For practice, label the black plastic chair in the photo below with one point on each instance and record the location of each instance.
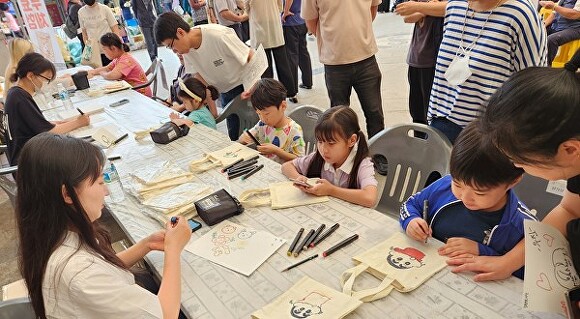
(153, 73)
(532, 191)
(243, 110)
(20, 308)
(307, 116)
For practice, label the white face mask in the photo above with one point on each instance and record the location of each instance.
(38, 89)
(458, 71)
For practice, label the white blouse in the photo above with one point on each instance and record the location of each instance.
(80, 284)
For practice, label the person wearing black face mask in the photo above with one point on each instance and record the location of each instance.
(96, 20)
(25, 120)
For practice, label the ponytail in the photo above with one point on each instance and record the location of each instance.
(112, 40)
(32, 62)
(214, 93)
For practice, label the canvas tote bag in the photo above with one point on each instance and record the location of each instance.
(279, 195)
(222, 158)
(401, 262)
(309, 298)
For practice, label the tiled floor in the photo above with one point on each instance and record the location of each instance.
(393, 38)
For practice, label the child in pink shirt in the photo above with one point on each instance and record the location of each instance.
(123, 65)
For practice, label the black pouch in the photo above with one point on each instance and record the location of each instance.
(573, 230)
(218, 207)
(169, 132)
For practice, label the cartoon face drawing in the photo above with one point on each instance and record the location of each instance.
(245, 234)
(228, 229)
(221, 250)
(221, 239)
(302, 309)
(564, 269)
(405, 258)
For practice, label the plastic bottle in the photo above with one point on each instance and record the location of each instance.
(113, 182)
(64, 96)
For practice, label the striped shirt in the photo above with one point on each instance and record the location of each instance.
(512, 39)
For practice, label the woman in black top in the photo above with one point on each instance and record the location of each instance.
(73, 13)
(25, 120)
(534, 118)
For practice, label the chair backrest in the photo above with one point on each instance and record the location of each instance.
(411, 162)
(20, 308)
(8, 184)
(153, 73)
(243, 110)
(307, 116)
(536, 194)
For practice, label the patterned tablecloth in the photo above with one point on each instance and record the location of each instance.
(212, 291)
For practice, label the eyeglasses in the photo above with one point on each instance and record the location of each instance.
(170, 47)
(44, 77)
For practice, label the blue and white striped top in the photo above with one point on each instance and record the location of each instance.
(513, 39)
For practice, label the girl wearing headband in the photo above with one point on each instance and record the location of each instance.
(194, 94)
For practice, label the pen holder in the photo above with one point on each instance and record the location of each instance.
(81, 80)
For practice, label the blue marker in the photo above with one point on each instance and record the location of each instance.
(174, 220)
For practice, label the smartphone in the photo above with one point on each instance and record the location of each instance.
(572, 299)
(193, 224)
(119, 103)
(301, 183)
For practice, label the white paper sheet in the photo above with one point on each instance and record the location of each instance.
(74, 113)
(239, 248)
(253, 71)
(549, 268)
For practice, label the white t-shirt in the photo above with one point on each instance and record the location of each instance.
(79, 284)
(219, 59)
(265, 23)
(222, 5)
(96, 20)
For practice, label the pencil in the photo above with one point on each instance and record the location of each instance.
(316, 234)
(426, 216)
(338, 246)
(252, 172)
(323, 236)
(300, 262)
(295, 241)
(298, 248)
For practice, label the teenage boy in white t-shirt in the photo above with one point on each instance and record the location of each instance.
(212, 53)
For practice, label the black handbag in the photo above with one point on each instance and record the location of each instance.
(169, 132)
(217, 207)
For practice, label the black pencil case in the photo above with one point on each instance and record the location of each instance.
(217, 207)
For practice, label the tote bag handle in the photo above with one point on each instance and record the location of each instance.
(368, 295)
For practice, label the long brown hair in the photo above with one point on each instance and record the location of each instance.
(48, 163)
(339, 122)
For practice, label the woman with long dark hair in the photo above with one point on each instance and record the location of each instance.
(66, 258)
(534, 118)
(25, 119)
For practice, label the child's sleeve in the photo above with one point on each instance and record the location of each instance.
(485, 250)
(366, 174)
(297, 144)
(412, 208)
(301, 163)
(258, 131)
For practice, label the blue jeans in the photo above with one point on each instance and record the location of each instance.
(232, 121)
(365, 77)
(448, 128)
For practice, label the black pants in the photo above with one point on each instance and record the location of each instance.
(232, 121)
(150, 42)
(558, 38)
(420, 83)
(245, 28)
(298, 56)
(282, 69)
(365, 77)
(80, 37)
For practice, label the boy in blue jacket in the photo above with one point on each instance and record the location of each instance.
(474, 211)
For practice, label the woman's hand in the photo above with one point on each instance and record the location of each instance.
(177, 235)
(457, 246)
(83, 120)
(156, 241)
(321, 188)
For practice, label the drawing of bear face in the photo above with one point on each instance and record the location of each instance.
(302, 309)
(245, 234)
(405, 258)
(228, 229)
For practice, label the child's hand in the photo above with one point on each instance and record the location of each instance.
(321, 188)
(418, 229)
(456, 246)
(174, 116)
(268, 149)
(245, 139)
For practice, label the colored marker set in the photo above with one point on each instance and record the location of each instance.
(243, 168)
(312, 239)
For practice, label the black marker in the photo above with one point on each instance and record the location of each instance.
(338, 246)
(252, 172)
(120, 139)
(313, 238)
(426, 216)
(300, 262)
(241, 172)
(298, 248)
(82, 113)
(295, 241)
(232, 164)
(241, 166)
(112, 158)
(323, 236)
